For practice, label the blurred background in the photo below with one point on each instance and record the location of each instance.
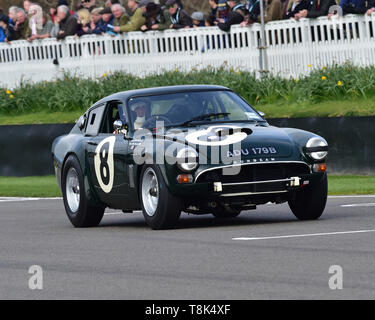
(201, 5)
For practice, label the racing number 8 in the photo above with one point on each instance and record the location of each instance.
(104, 168)
(103, 161)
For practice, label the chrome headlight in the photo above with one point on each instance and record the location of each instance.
(317, 148)
(187, 159)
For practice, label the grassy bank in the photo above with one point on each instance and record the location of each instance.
(360, 107)
(333, 91)
(47, 186)
(29, 187)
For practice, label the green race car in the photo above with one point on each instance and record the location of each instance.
(198, 149)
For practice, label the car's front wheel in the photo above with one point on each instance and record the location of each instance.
(80, 213)
(161, 209)
(310, 203)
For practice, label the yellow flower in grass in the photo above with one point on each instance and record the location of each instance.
(324, 68)
(324, 78)
(8, 92)
(339, 83)
(239, 73)
(104, 75)
(309, 65)
(11, 96)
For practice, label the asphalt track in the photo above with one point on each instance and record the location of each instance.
(276, 257)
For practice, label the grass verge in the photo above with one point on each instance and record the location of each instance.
(43, 187)
(47, 186)
(335, 90)
(361, 107)
(351, 185)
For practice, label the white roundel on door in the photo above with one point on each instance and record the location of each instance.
(217, 136)
(103, 161)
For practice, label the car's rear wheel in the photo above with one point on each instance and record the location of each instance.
(310, 203)
(80, 213)
(161, 209)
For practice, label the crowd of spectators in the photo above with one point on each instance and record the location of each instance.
(31, 22)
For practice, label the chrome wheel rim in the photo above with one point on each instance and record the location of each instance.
(72, 190)
(150, 192)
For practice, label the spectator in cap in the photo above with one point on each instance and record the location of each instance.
(157, 18)
(223, 10)
(102, 18)
(137, 20)
(153, 17)
(198, 19)
(96, 18)
(236, 15)
(179, 17)
(120, 16)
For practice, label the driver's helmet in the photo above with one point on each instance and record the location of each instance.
(140, 110)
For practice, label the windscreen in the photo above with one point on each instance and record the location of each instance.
(190, 108)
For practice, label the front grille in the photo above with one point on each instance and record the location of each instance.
(256, 172)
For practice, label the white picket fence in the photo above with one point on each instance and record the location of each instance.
(294, 48)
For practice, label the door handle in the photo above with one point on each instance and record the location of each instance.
(92, 143)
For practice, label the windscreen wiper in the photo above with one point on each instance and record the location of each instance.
(202, 117)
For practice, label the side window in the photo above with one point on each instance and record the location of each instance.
(112, 114)
(94, 120)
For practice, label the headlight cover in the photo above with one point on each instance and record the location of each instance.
(187, 159)
(317, 148)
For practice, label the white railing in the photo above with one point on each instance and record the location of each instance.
(292, 48)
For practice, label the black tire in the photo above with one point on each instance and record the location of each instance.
(226, 213)
(81, 215)
(310, 203)
(167, 210)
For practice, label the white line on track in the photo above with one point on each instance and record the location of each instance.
(303, 235)
(116, 213)
(348, 197)
(17, 199)
(358, 205)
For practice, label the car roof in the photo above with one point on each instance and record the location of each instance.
(125, 95)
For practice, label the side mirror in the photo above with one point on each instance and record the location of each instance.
(81, 122)
(118, 125)
(262, 114)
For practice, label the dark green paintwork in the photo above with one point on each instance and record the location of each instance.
(289, 142)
